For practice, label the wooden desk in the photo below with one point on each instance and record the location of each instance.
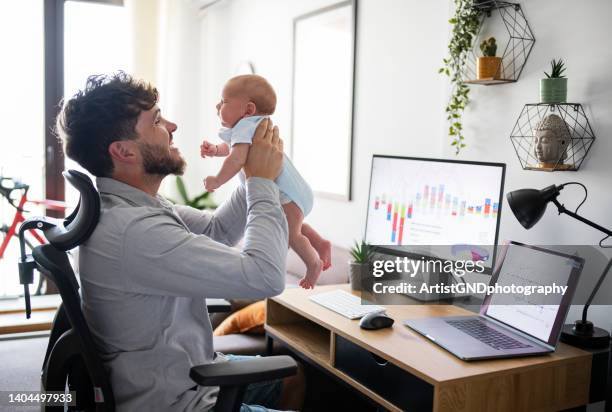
(437, 380)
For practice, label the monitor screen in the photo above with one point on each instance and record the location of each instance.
(539, 316)
(416, 203)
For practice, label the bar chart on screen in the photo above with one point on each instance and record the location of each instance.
(432, 203)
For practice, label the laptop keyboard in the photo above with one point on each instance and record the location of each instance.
(479, 330)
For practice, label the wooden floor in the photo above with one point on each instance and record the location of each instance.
(13, 319)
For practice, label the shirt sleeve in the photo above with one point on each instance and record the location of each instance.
(226, 225)
(163, 257)
(244, 130)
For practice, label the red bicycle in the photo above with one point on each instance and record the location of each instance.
(8, 185)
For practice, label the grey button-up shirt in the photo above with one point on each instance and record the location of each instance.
(146, 270)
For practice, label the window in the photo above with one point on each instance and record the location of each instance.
(22, 112)
(97, 40)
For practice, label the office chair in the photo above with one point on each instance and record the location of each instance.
(71, 357)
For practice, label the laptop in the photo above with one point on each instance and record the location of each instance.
(511, 325)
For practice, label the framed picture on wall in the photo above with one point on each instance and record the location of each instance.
(323, 89)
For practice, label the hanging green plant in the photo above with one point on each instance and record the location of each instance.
(465, 22)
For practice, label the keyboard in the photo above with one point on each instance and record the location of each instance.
(478, 329)
(345, 304)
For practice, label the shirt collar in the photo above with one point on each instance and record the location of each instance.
(107, 185)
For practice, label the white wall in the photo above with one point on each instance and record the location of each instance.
(400, 98)
(261, 31)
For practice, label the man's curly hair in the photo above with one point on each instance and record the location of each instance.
(104, 112)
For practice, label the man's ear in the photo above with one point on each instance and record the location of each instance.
(251, 109)
(123, 151)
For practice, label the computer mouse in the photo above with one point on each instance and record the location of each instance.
(376, 320)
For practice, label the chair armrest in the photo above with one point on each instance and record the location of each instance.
(243, 372)
(218, 305)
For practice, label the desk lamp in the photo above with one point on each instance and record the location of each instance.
(528, 206)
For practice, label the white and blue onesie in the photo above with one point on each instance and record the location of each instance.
(292, 186)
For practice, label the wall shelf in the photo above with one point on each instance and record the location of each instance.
(578, 126)
(520, 41)
(489, 81)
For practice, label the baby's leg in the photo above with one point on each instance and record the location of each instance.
(302, 246)
(322, 246)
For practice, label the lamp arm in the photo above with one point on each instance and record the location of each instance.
(562, 209)
(594, 292)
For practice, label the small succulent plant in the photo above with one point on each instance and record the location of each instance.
(557, 69)
(488, 47)
(362, 253)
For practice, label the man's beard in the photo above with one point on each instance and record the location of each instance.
(157, 160)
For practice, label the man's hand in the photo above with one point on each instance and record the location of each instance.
(208, 149)
(265, 158)
(210, 184)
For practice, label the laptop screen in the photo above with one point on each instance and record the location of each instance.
(538, 315)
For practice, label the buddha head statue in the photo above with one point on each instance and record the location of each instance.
(551, 137)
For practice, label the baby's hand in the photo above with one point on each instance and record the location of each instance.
(210, 183)
(208, 149)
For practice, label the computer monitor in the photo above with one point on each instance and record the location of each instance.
(416, 203)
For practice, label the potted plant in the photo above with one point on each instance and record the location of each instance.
(201, 201)
(553, 89)
(360, 266)
(488, 65)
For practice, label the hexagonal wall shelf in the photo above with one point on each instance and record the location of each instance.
(575, 125)
(517, 48)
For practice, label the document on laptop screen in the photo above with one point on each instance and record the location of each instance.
(535, 313)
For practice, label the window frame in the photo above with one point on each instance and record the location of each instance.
(54, 92)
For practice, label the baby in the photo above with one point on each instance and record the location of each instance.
(245, 101)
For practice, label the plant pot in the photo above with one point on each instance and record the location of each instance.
(553, 90)
(489, 68)
(358, 272)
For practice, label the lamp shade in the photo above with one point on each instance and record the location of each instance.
(528, 205)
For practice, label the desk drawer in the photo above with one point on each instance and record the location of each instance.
(399, 387)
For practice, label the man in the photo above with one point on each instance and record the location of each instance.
(149, 264)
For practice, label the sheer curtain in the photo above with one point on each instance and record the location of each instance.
(97, 40)
(167, 52)
(144, 21)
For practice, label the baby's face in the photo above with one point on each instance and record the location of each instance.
(232, 107)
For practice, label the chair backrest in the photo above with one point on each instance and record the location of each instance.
(77, 227)
(71, 353)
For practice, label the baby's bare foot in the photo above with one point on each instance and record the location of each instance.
(323, 248)
(304, 284)
(312, 275)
